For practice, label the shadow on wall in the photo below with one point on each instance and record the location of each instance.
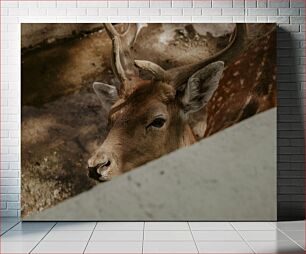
(290, 135)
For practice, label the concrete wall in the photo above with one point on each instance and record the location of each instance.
(223, 179)
(289, 14)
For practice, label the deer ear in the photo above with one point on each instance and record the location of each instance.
(107, 94)
(201, 86)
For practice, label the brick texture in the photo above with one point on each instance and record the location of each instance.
(289, 14)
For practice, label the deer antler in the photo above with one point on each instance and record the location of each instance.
(179, 75)
(158, 72)
(124, 68)
(122, 61)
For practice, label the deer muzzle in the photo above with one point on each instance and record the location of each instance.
(100, 167)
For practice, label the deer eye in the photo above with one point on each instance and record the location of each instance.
(157, 122)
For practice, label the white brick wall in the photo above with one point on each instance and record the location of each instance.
(288, 13)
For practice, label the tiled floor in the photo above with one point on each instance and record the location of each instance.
(152, 237)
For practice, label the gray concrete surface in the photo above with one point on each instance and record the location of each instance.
(228, 176)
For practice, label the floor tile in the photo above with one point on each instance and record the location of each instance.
(216, 236)
(17, 247)
(276, 247)
(253, 226)
(22, 236)
(114, 247)
(211, 226)
(119, 226)
(223, 247)
(69, 236)
(301, 243)
(296, 235)
(168, 236)
(272, 235)
(7, 225)
(169, 247)
(60, 247)
(2, 231)
(166, 226)
(33, 226)
(63, 226)
(291, 225)
(273, 224)
(9, 220)
(106, 236)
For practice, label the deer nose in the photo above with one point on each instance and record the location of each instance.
(99, 167)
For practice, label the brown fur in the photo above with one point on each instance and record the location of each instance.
(248, 86)
(129, 143)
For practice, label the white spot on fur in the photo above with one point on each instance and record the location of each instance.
(237, 62)
(248, 99)
(258, 75)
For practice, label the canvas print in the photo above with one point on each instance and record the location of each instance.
(100, 100)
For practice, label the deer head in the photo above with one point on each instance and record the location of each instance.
(150, 118)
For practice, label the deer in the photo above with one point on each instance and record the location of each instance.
(175, 108)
